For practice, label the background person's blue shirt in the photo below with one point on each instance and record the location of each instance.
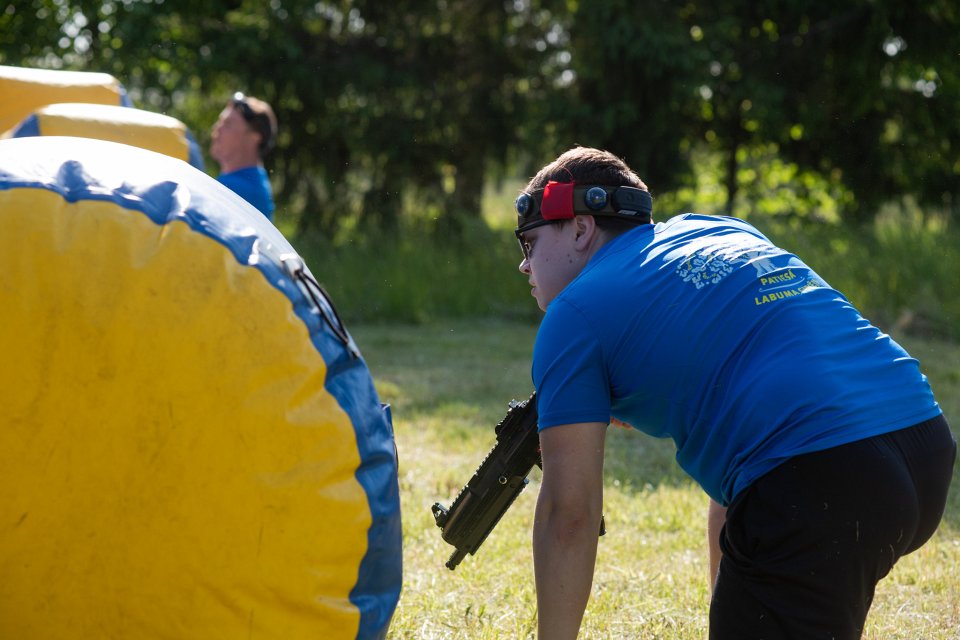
(701, 330)
(253, 185)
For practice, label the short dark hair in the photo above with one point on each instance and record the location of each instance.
(259, 115)
(583, 165)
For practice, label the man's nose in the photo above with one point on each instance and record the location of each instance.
(524, 265)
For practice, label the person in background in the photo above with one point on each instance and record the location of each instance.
(816, 436)
(243, 134)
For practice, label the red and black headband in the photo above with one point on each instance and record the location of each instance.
(564, 200)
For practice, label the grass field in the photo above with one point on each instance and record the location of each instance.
(449, 384)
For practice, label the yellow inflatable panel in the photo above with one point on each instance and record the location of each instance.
(192, 445)
(144, 129)
(25, 90)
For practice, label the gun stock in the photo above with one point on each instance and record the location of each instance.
(495, 485)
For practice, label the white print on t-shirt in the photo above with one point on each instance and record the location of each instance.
(708, 260)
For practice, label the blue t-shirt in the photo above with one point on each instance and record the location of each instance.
(253, 185)
(701, 330)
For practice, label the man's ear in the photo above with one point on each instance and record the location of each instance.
(586, 229)
(259, 137)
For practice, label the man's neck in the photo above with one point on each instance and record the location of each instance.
(239, 159)
(229, 167)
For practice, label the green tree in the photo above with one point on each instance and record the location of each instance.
(863, 92)
(408, 107)
(622, 77)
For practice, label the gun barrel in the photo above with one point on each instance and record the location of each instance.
(455, 559)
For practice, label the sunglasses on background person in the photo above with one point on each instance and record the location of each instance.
(258, 121)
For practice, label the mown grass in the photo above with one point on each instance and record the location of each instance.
(449, 382)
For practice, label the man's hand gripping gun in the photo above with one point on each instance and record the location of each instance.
(495, 485)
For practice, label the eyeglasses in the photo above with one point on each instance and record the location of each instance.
(239, 101)
(526, 248)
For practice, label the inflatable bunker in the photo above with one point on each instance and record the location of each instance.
(25, 90)
(144, 129)
(191, 443)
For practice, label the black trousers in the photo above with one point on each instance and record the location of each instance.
(805, 545)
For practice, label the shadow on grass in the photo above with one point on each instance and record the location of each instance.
(637, 461)
(478, 365)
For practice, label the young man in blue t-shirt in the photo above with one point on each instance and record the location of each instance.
(816, 436)
(243, 134)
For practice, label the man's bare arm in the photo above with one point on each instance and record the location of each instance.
(716, 516)
(569, 509)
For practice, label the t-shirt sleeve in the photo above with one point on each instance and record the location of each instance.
(569, 370)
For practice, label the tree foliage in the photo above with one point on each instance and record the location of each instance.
(863, 91)
(410, 107)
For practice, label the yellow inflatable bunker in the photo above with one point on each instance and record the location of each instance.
(144, 129)
(24, 90)
(191, 443)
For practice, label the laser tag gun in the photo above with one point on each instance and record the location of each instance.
(496, 483)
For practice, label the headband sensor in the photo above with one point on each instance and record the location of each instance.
(564, 200)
